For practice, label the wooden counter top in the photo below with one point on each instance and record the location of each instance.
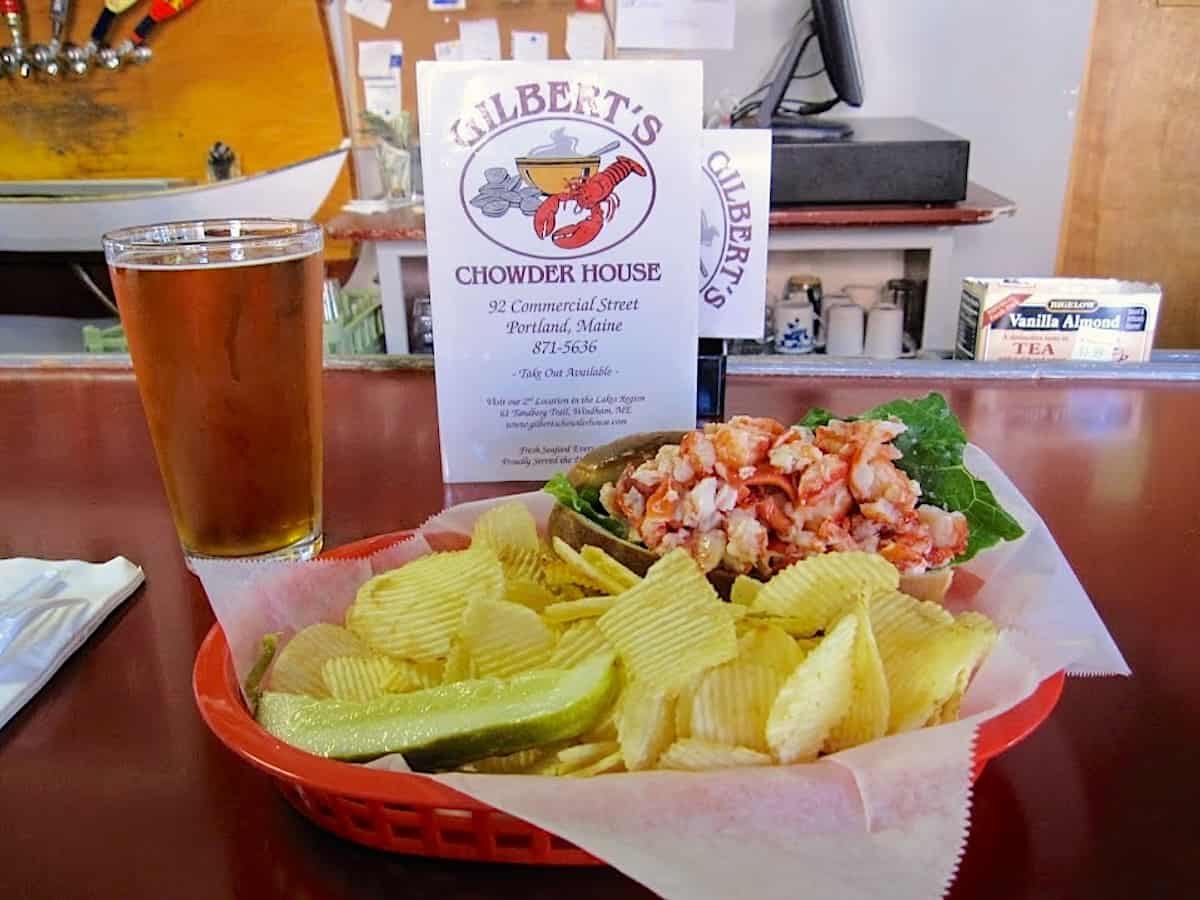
(980, 207)
(112, 787)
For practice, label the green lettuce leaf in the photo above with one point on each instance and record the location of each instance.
(933, 455)
(586, 502)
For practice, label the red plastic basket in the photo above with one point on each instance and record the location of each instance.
(405, 813)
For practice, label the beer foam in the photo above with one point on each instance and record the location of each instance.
(200, 259)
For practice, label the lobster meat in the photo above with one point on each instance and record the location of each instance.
(595, 194)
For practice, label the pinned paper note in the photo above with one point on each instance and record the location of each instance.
(444, 51)
(587, 34)
(375, 12)
(675, 24)
(530, 46)
(479, 39)
(378, 59)
(381, 96)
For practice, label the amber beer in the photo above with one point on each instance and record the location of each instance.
(224, 325)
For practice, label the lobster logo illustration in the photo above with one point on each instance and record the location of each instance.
(583, 186)
(596, 194)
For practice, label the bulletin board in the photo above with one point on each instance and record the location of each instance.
(258, 76)
(412, 23)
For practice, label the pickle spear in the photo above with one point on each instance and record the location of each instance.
(452, 724)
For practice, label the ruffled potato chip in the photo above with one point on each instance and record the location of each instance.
(588, 574)
(505, 638)
(671, 625)
(583, 608)
(578, 641)
(358, 677)
(611, 763)
(458, 665)
(579, 756)
(416, 676)
(818, 590)
(927, 655)
(870, 702)
(815, 698)
(297, 669)
(413, 612)
(508, 530)
(518, 763)
(618, 575)
(646, 724)
(769, 645)
(744, 590)
(692, 755)
(732, 704)
(683, 705)
(528, 592)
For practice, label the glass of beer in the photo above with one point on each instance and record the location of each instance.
(224, 324)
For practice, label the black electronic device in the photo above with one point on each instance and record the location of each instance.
(828, 21)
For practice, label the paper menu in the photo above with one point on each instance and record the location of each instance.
(530, 46)
(559, 326)
(735, 198)
(479, 39)
(675, 24)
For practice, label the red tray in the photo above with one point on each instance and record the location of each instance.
(405, 813)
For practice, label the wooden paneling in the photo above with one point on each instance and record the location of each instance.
(1133, 202)
(255, 75)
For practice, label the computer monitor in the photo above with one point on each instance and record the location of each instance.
(833, 30)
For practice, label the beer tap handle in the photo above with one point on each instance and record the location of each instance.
(13, 13)
(160, 11)
(59, 10)
(108, 15)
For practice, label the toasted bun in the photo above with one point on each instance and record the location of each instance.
(928, 585)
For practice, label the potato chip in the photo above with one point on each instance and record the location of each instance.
(818, 590)
(744, 590)
(586, 573)
(683, 705)
(508, 530)
(414, 611)
(797, 626)
(671, 625)
(358, 677)
(948, 711)
(646, 724)
(580, 756)
(514, 763)
(297, 669)
(692, 755)
(815, 697)
(577, 642)
(732, 704)
(416, 676)
(769, 645)
(870, 702)
(611, 763)
(528, 592)
(458, 666)
(927, 654)
(505, 638)
(583, 608)
(615, 571)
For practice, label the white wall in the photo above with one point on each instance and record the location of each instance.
(1005, 74)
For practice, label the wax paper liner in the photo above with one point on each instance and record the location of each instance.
(887, 819)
